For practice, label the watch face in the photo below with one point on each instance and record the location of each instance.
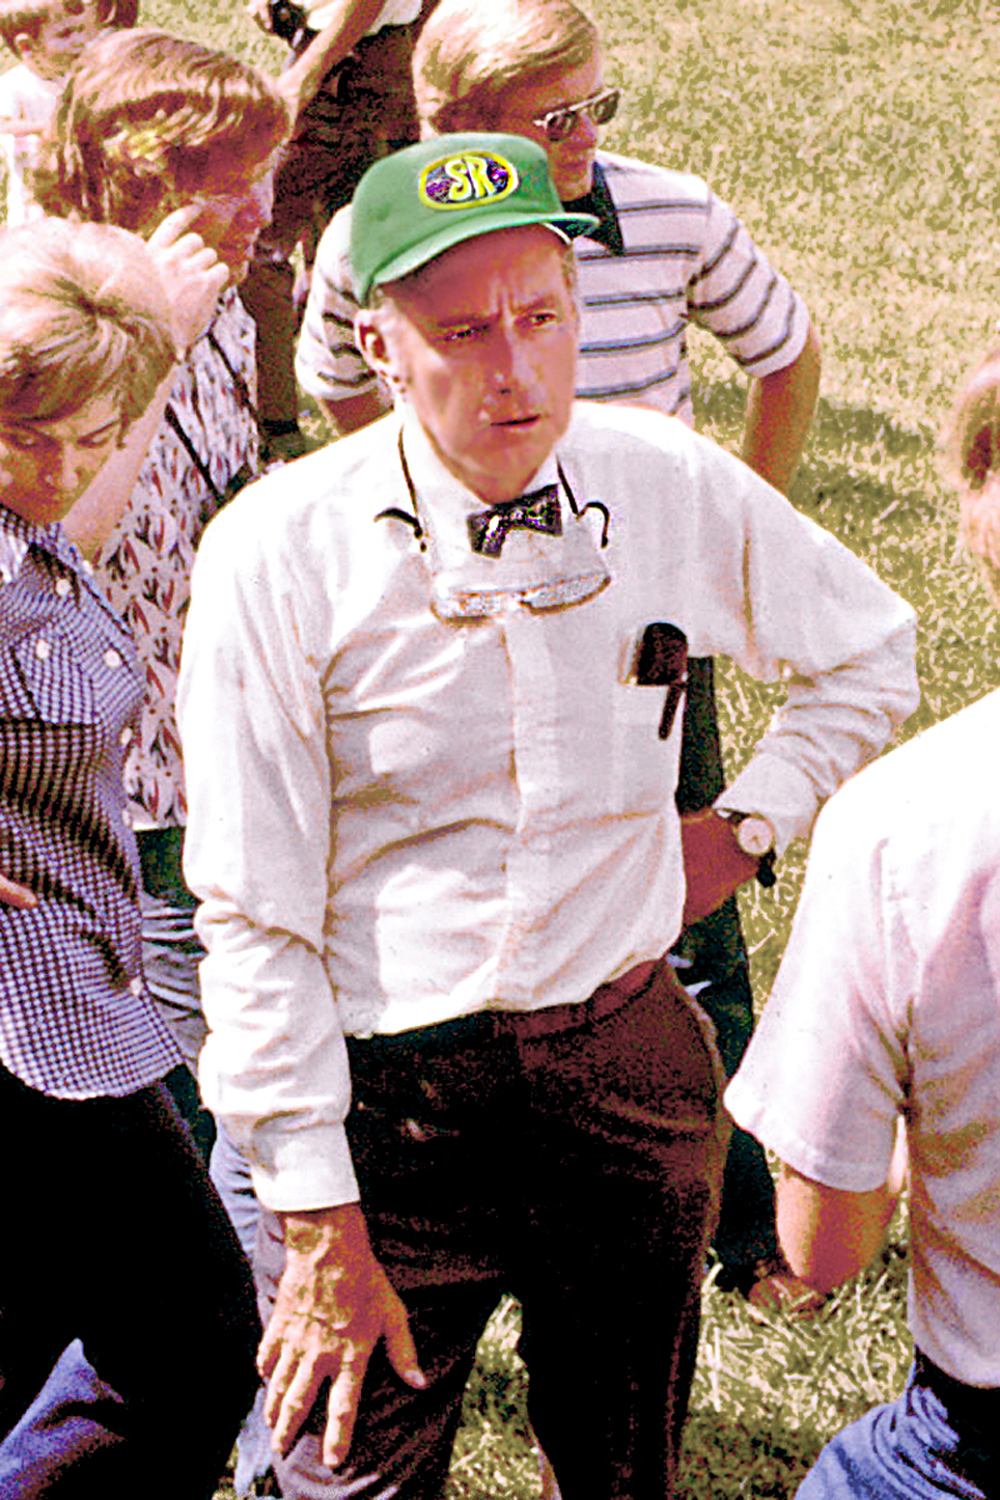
(755, 836)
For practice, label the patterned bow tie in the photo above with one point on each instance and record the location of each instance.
(537, 511)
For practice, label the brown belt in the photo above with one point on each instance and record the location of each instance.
(605, 1000)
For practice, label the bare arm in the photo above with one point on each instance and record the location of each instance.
(828, 1234)
(334, 1303)
(19, 896)
(780, 409)
(193, 277)
(298, 84)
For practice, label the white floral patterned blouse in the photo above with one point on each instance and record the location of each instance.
(145, 567)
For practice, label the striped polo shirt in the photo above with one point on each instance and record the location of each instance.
(681, 256)
(668, 253)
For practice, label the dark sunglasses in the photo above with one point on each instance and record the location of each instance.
(558, 124)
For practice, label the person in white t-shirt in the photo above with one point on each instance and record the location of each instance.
(880, 1048)
(47, 37)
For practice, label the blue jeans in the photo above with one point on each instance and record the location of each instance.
(938, 1439)
(231, 1175)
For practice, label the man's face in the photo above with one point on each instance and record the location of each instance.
(571, 160)
(482, 342)
(64, 34)
(46, 466)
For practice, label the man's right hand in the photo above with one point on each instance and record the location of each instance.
(192, 274)
(334, 1303)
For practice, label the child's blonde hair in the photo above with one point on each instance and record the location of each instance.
(82, 314)
(469, 54)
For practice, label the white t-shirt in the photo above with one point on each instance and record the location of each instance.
(23, 97)
(888, 1003)
(396, 13)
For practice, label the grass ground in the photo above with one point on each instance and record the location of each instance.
(857, 140)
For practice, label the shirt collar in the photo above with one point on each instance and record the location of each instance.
(442, 498)
(600, 203)
(17, 535)
(466, 584)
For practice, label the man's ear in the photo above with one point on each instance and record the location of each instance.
(24, 46)
(370, 336)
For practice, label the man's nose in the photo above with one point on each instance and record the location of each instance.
(62, 468)
(584, 132)
(511, 364)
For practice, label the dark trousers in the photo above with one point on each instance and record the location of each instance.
(127, 1321)
(712, 962)
(363, 111)
(573, 1158)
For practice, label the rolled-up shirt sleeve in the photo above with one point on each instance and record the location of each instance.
(791, 604)
(256, 853)
(822, 1082)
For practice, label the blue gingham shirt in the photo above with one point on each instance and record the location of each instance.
(75, 1020)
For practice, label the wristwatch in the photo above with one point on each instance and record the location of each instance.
(755, 836)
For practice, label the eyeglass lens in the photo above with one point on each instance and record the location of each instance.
(562, 122)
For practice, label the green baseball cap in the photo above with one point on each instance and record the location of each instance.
(412, 206)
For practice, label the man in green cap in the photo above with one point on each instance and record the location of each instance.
(429, 708)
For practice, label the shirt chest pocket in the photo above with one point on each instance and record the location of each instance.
(45, 681)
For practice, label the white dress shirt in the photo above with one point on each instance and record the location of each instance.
(888, 1003)
(398, 818)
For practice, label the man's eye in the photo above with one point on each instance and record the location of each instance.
(99, 439)
(460, 335)
(24, 442)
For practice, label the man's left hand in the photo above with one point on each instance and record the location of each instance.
(714, 864)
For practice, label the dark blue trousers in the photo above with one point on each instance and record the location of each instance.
(128, 1327)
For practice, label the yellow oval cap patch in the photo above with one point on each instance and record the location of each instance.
(469, 180)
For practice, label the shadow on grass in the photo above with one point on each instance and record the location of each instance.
(854, 454)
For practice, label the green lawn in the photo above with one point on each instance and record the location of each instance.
(857, 140)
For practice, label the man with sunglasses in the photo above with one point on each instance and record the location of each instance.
(665, 253)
